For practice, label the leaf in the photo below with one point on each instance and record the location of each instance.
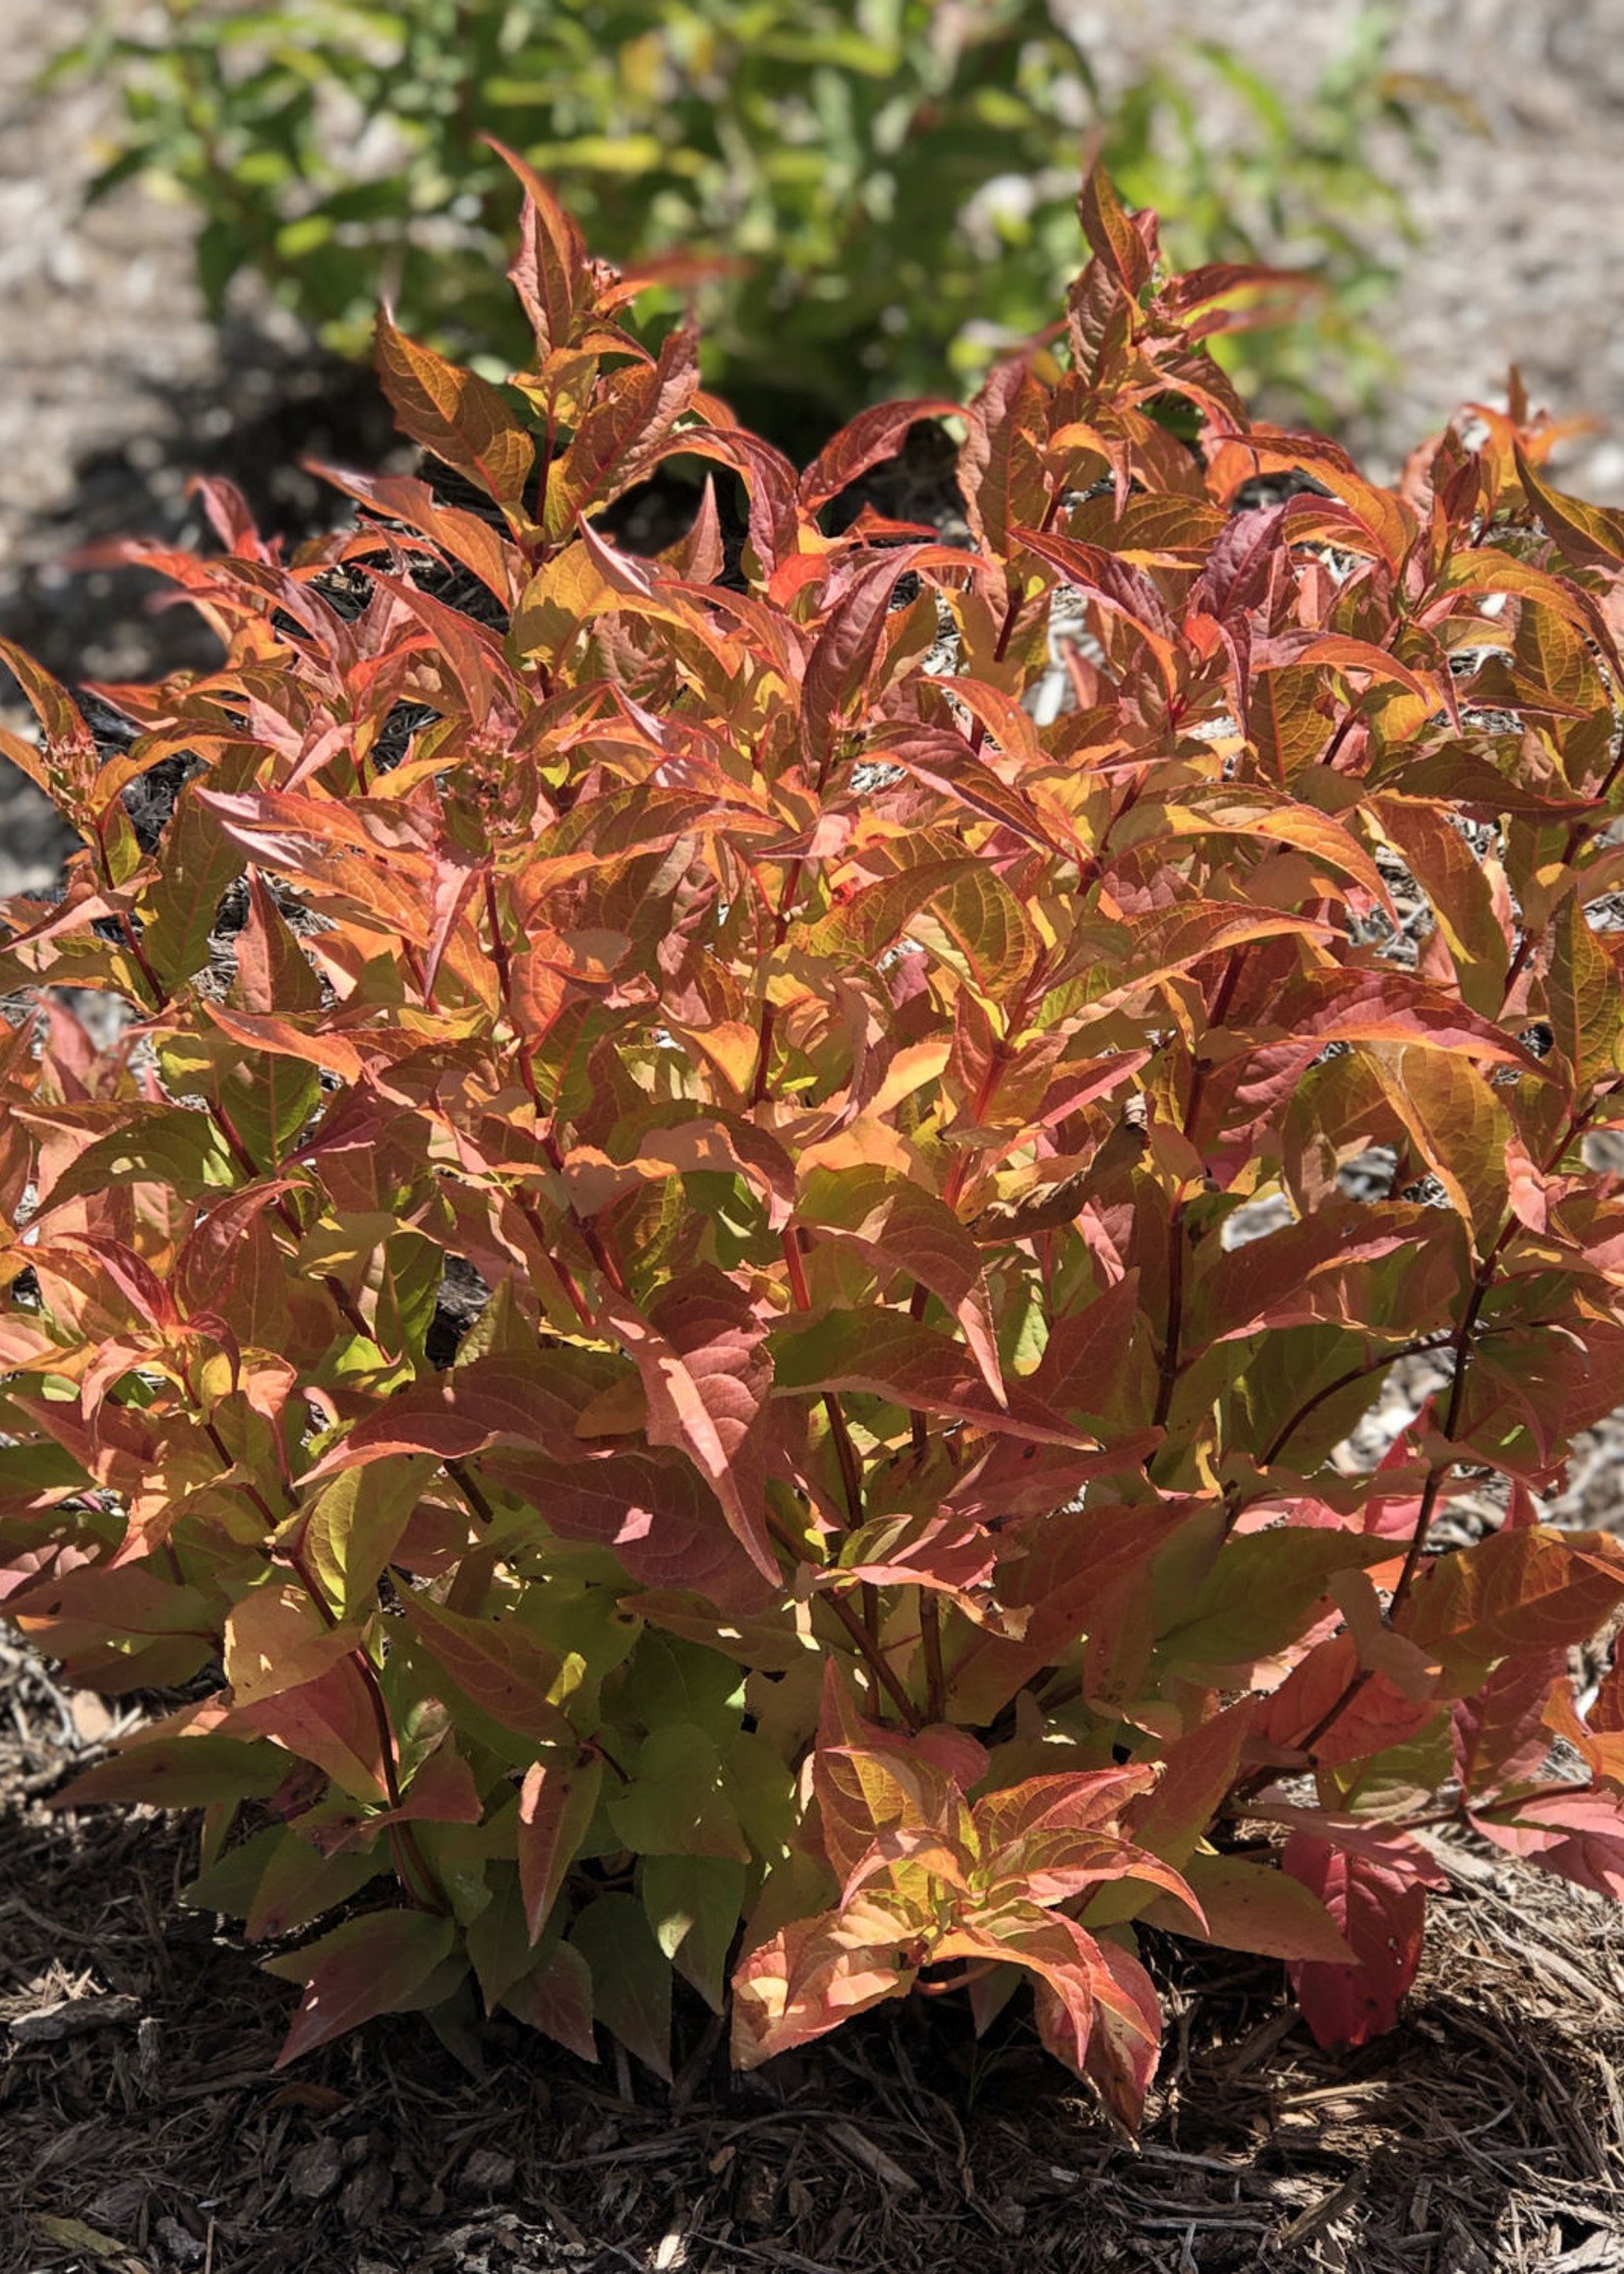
(550, 268)
(332, 1721)
(1499, 1733)
(556, 1999)
(1112, 236)
(77, 2236)
(961, 910)
(200, 865)
(298, 1884)
(166, 1145)
(623, 435)
(889, 1355)
(276, 1639)
(1259, 1595)
(382, 1963)
(67, 765)
(663, 1522)
(456, 415)
(693, 1905)
(844, 652)
(1584, 998)
(944, 762)
(1376, 1897)
(1447, 869)
(1585, 535)
(903, 1225)
(679, 1801)
(1126, 2040)
(1579, 1834)
(1193, 1784)
(557, 1803)
(481, 549)
(943, 1550)
(180, 1773)
(1254, 1907)
(1514, 1592)
(353, 1526)
(875, 434)
(1168, 939)
(1458, 1126)
(631, 1980)
(703, 1357)
(804, 1980)
(1112, 586)
(565, 593)
(497, 1666)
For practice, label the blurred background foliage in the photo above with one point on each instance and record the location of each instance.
(861, 198)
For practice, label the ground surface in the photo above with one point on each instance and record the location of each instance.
(1486, 2133)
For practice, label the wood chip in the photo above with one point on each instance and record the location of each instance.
(73, 2017)
(874, 2159)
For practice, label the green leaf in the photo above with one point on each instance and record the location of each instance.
(631, 1978)
(354, 1525)
(693, 1905)
(499, 1944)
(159, 1144)
(1258, 1595)
(199, 865)
(556, 1998)
(182, 1773)
(679, 1801)
(1252, 1908)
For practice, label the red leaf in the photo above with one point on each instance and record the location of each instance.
(702, 1355)
(384, 1962)
(663, 1522)
(1580, 1834)
(801, 1982)
(457, 415)
(1126, 2042)
(1499, 1732)
(1376, 1895)
(905, 1227)
(889, 1355)
(557, 1803)
(873, 435)
(550, 269)
(1112, 236)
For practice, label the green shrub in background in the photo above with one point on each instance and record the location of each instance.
(860, 194)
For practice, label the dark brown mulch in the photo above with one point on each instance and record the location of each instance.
(1486, 2132)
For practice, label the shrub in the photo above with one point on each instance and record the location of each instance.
(948, 1169)
(865, 190)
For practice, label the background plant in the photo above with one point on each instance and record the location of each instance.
(888, 1518)
(863, 195)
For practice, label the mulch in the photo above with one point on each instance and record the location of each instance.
(143, 2128)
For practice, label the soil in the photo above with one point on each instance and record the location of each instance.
(141, 2126)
